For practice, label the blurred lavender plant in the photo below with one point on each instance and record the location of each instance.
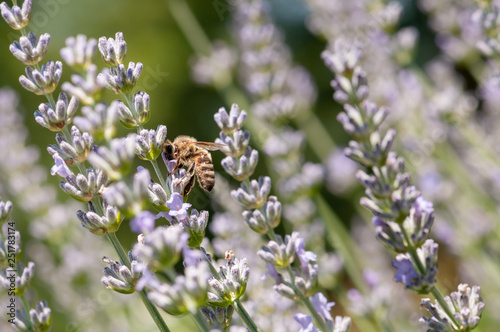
(402, 217)
(262, 214)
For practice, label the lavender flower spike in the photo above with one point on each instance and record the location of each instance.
(149, 143)
(230, 123)
(56, 119)
(113, 51)
(108, 223)
(119, 277)
(29, 50)
(254, 195)
(17, 18)
(5, 209)
(40, 317)
(99, 121)
(75, 151)
(43, 81)
(87, 89)
(79, 51)
(120, 79)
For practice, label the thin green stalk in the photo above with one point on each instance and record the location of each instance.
(118, 248)
(245, 317)
(160, 176)
(153, 312)
(201, 322)
(27, 310)
(442, 302)
(413, 252)
(320, 323)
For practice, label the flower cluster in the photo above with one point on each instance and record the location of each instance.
(402, 217)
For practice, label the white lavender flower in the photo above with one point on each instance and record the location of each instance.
(86, 88)
(149, 143)
(234, 277)
(113, 51)
(281, 253)
(236, 145)
(98, 121)
(40, 317)
(43, 81)
(79, 51)
(232, 122)
(466, 306)
(254, 195)
(141, 105)
(131, 200)
(157, 196)
(75, 151)
(218, 317)
(119, 277)
(109, 222)
(119, 79)
(56, 119)
(5, 209)
(420, 281)
(116, 160)
(241, 168)
(29, 50)
(162, 248)
(83, 187)
(186, 294)
(21, 277)
(10, 248)
(17, 18)
(195, 226)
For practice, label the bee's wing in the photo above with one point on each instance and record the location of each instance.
(209, 145)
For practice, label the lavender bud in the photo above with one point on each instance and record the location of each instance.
(84, 188)
(149, 143)
(380, 149)
(141, 104)
(242, 168)
(196, 226)
(79, 52)
(40, 317)
(43, 81)
(113, 51)
(29, 50)
(125, 115)
(56, 120)
(99, 121)
(119, 277)
(280, 253)
(466, 306)
(218, 317)
(236, 145)
(256, 221)
(99, 225)
(286, 291)
(5, 209)
(273, 211)
(407, 273)
(254, 196)
(17, 18)
(229, 124)
(23, 277)
(344, 58)
(119, 79)
(116, 160)
(362, 121)
(87, 89)
(389, 233)
(157, 196)
(186, 295)
(8, 249)
(75, 151)
(130, 200)
(161, 248)
(233, 284)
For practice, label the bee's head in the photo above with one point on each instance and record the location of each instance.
(170, 150)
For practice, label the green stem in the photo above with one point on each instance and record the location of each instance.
(153, 312)
(118, 248)
(201, 322)
(442, 302)
(412, 251)
(160, 176)
(320, 323)
(27, 310)
(245, 317)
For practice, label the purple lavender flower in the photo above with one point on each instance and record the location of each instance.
(322, 306)
(178, 209)
(306, 322)
(144, 222)
(60, 168)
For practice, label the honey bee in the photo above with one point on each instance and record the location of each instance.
(187, 151)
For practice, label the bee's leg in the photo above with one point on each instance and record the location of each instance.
(177, 166)
(188, 178)
(189, 186)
